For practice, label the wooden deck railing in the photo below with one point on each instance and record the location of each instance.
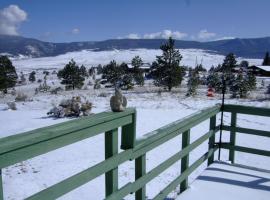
(17, 148)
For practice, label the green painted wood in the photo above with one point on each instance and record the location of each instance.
(163, 194)
(180, 125)
(128, 137)
(249, 110)
(232, 137)
(1, 186)
(38, 135)
(132, 187)
(247, 131)
(140, 170)
(81, 178)
(36, 149)
(246, 149)
(139, 150)
(111, 149)
(185, 159)
(211, 145)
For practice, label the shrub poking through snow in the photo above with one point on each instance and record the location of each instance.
(21, 97)
(12, 106)
(73, 107)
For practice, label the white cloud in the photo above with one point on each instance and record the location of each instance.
(165, 34)
(10, 19)
(205, 35)
(133, 36)
(75, 31)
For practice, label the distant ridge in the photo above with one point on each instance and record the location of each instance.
(17, 45)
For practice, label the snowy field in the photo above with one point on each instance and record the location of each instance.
(155, 109)
(92, 58)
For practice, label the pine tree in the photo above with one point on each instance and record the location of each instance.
(239, 86)
(113, 73)
(8, 75)
(165, 70)
(138, 73)
(32, 76)
(84, 72)
(251, 81)
(228, 64)
(266, 60)
(193, 82)
(71, 75)
(214, 81)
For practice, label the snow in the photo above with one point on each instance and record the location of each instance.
(154, 110)
(28, 177)
(265, 68)
(92, 58)
(224, 181)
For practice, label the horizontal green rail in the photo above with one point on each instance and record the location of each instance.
(27, 145)
(247, 131)
(246, 149)
(249, 110)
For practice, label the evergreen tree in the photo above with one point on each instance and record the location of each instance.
(266, 60)
(214, 81)
(228, 64)
(251, 81)
(84, 72)
(71, 75)
(32, 76)
(138, 73)
(113, 72)
(239, 86)
(166, 70)
(193, 82)
(8, 75)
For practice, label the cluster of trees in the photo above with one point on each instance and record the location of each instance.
(166, 72)
(223, 77)
(119, 75)
(72, 76)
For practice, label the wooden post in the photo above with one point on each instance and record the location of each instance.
(111, 148)
(1, 186)
(232, 137)
(185, 159)
(140, 170)
(211, 139)
(128, 136)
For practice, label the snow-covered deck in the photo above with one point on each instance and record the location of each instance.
(224, 181)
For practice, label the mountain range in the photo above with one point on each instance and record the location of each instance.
(17, 45)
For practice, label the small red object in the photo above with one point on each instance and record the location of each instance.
(210, 92)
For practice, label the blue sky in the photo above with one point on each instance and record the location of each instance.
(91, 20)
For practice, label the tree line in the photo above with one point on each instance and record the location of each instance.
(166, 71)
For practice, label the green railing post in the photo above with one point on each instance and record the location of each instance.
(140, 170)
(232, 137)
(111, 148)
(1, 186)
(128, 136)
(185, 159)
(212, 139)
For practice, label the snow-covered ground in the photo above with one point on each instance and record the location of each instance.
(92, 58)
(154, 109)
(222, 181)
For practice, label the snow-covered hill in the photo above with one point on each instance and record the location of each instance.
(92, 58)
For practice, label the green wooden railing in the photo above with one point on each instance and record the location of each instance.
(17, 148)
